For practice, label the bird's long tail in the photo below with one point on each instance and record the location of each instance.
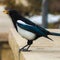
(49, 38)
(55, 34)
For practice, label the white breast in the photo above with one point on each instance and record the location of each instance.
(26, 34)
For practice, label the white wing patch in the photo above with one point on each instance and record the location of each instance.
(19, 21)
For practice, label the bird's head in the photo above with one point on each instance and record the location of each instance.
(10, 11)
(6, 11)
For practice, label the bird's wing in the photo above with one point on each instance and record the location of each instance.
(33, 24)
(31, 28)
(26, 21)
(44, 30)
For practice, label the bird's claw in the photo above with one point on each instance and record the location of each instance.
(24, 50)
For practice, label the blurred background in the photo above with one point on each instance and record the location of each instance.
(45, 13)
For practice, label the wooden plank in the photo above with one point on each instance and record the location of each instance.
(6, 53)
(15, 42)
(41, 49)
(40, 55)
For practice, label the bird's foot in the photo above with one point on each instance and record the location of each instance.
(25, 48)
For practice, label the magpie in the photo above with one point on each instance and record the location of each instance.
(28, 29)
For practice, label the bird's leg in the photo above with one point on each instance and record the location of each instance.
(23, 48)
(29, 44)
(26, 47)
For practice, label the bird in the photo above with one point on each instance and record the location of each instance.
(28, 29)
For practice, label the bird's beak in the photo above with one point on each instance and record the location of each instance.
(6, 11)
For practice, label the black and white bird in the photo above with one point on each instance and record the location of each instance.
(28, 29)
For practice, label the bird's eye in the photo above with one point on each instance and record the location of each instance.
(5, 11)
